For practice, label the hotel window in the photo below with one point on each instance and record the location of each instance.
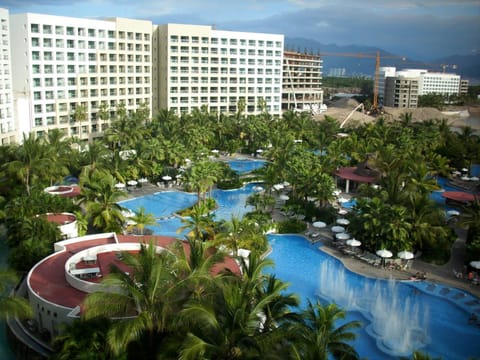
(35, 42)
(204, 40)
(91, 32)
(47, 29)
(49, 95)
(36, 69)
(34, 28)
(60, 82)
(70, 30)
(37, 109)
(47, 55)
(48, 69)
(38, 121)
(47, 42)
(37, 95)
(50, 107)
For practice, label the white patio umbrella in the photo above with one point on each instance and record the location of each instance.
(119, 185)
(215, 151)
(143, 180)
(319, 224)
(132, 182)
(167, 178)
(284, 197)
(342, 212)
(343, 221)
(259, 151)
(257, 188)
(353, 242)
(338, 229)
(343, 236)
(453, 213)
(474, 178)
(278, 186)
(406, 255)
(475, 264)
(383, 253)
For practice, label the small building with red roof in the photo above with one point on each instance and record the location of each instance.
(66, 222)
(58, 284)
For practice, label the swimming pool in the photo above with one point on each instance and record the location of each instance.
(398, 317)
(164, 204)
(244, 166)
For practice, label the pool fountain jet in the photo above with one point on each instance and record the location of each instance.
(397, 319)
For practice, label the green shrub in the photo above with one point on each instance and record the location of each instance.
(291, 226)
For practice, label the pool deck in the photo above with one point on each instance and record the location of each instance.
(443, 274)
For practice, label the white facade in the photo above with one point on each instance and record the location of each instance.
(440, 83)
(200, 66)
(8, 127)
(428, 82)
(59, 63)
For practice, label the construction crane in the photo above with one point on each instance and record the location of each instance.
(377, 58)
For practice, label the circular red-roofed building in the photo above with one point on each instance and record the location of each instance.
(63, 190)
(58, 284)
(66, 222)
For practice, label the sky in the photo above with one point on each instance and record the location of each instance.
(422, 29)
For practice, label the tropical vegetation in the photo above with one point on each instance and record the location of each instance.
(175, 306)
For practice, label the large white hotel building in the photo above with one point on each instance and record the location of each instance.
(61, 63)
(201, 66)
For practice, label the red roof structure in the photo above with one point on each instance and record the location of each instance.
(459, 196)
(349, 173)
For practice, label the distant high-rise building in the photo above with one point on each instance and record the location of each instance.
(200, 66)
(402, 88)
(302, 82)
(337, 72)
(60, 64)
(8, 125)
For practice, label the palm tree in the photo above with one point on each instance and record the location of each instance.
(101, 200)
(80, 114)
(84, 339)
(30, 161)
(141, 219)
(142, 300)
(11, 305)
(235, 322)
(199, 222)
(317, 336)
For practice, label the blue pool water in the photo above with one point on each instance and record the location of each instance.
(245, 166)
(397, 317)
(164, 204)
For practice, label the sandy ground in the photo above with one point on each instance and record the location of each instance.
(341, 109)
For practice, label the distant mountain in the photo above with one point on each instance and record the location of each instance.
(468, 66)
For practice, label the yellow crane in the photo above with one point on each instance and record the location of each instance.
(377, 58)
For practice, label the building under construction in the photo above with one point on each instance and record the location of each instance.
(302, 82)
